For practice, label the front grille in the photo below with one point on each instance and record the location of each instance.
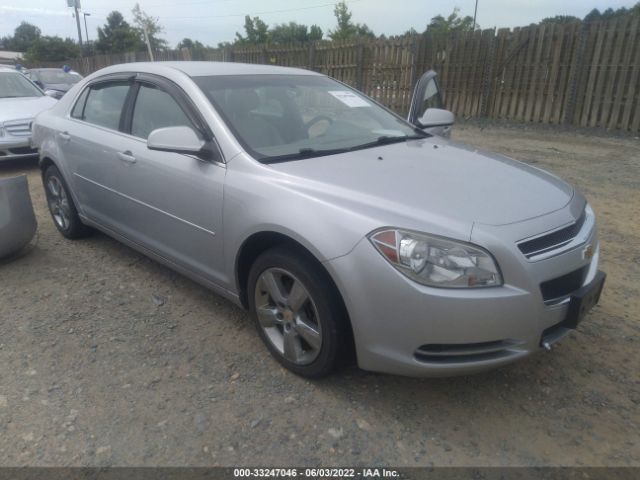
(465, 352)
(563, 286)
(553, 240)
(18, 128)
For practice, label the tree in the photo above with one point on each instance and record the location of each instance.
(152, 27)
(559, 20)
(294, 32)
(345, 27)
(23, 37)
(117, 36)
(196, 48)
(453, 23)
(595, 14)
(256, 32)
(51, 49)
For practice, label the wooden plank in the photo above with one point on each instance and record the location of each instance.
(594, 117)
(593, 73)
(533, 77)
(557, 39)
(629, 40)
(614, 69)
(632, 97)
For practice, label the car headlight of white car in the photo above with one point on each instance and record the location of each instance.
(436, 261)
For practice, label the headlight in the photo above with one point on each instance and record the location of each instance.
(437, 261)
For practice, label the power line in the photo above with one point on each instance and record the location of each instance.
(261, 13)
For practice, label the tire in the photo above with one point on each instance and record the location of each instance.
(61, 207)
(298, 312)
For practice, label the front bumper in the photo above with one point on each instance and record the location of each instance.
(16, 148)
(402, 327)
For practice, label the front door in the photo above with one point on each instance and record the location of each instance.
(173, 201)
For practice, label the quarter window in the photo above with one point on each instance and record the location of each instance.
(155, 109)
(104, 104)
(78, 108)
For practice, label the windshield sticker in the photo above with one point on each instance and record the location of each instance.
(350, 99)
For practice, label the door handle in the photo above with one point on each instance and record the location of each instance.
(126, 157)
(64, 136)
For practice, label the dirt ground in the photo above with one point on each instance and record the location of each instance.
(108, 358)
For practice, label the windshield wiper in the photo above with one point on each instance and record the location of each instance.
(304, 153)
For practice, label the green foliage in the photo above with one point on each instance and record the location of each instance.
(256, 32)
(345, 27)
(117, 36)
(51, 49)
(23, 37)
(595, 15)
(294, 32)
(559, 20)
(453, 23)
(152, 27)
(196, 48)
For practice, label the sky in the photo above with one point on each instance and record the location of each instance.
(213, 21)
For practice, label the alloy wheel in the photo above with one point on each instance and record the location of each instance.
(58, 202)
(288, 316)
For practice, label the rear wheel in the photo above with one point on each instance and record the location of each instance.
(61, 206)
(298, 313)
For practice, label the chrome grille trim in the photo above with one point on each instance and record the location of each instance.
(18, 128)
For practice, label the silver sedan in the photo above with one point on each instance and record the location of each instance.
(343, 228)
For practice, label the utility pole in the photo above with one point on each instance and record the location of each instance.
(475, 12)
(86, 30)
(146, 40)
(76, 6)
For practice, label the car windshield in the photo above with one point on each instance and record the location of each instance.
(288, 117)
(13, 85)
(57, 77)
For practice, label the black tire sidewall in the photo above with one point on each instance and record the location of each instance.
(331, 316)
(76, 228)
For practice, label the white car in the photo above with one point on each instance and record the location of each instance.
(20, 101)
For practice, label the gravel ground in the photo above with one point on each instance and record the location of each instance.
(108, 358)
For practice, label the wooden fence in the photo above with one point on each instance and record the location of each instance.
(580, 74)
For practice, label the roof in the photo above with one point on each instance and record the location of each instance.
(6, 68)
(197, 69)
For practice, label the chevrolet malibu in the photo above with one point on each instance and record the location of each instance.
(343, 228)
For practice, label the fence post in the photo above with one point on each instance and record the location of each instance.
(487, 80)
(414, 60)
(572, 98)
(312, 56)
(359, 65)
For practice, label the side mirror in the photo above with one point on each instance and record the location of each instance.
(53, 94)
(436, 117)
(175, 139)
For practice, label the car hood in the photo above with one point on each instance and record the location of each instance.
(23, 107)
(434, 178)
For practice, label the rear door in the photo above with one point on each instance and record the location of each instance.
(89, 142)
(427, 94)
(169, 202)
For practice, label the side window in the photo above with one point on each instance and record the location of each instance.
(156, 109)
(104, 104)
(78, 108)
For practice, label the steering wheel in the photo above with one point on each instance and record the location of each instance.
(317, 119)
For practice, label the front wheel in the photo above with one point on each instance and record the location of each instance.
(298, 313)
